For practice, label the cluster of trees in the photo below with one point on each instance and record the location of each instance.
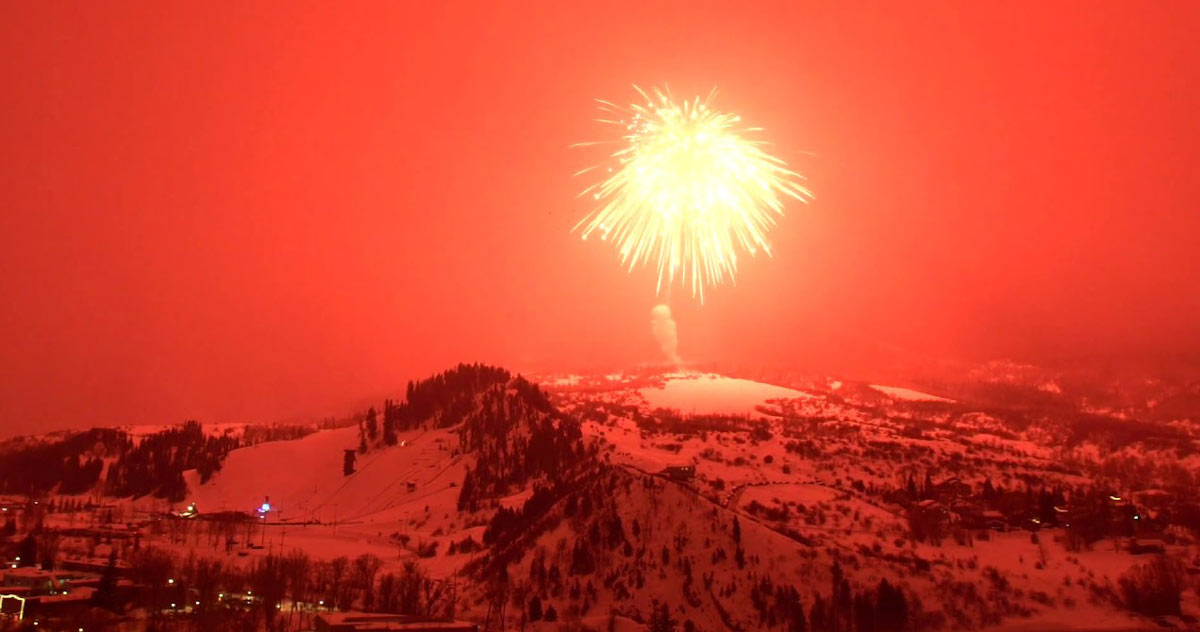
(38, 548)
(606, 530)
(536, 613)
(513, 532)
(156, 464)
(1114, 433)
(883, 608)
(670, 422)
(804, 448)
(508, 521)
(1018, 505)
(508, 422)
(224, 595)
(1153, 588)
(1090, 515)
(448, 395)
(80, 475)
(252, 435)
(443, 400)
(69, 505)
(72, 462)
(778, 605)
(517, 436)
(1025, 504)
(1095, 516)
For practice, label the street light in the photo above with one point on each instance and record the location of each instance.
(263, 510)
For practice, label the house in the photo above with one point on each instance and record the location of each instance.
(1141, 546)
(95, 565)
(379, 622)
(934, 512)
(681, 473)
(1152, 498)
(28, 592)
(994, 520)
(64, 607)
(950, 490)
(40, 582)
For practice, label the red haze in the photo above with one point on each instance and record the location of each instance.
(250, 212)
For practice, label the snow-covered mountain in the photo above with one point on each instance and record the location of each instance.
(721, 503)
(814, 481)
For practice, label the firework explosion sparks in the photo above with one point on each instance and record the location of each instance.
(687, 191)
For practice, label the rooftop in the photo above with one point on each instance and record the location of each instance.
(376, 622)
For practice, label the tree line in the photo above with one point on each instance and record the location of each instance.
(441, 401)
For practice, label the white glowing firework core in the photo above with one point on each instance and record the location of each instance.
(688, 191)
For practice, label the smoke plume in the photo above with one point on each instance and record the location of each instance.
(663, 327)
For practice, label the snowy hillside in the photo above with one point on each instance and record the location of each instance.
(908, 394)
(724, 503)
(707, 393)
(304, 478)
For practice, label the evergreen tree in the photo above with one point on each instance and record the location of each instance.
(106, 591)
(844, 605)
(535, 609)
(372, 424)
(466, 494)
(891, 608)
(796, 622)
(389, 429)
(818, 617)
(27, 551)
(660, 618)
(791, 609)
(864, 613)
(582, 561)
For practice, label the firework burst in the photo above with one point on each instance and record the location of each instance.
(686, 190)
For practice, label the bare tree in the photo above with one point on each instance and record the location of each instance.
(152, 567)
(365, 568)
(297, 568)
(270, 586)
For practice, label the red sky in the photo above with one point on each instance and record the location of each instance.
(249, 212)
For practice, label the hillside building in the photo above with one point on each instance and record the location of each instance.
(680, 473)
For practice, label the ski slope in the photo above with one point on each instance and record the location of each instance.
(303, 478)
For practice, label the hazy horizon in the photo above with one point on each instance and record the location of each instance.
(239, 216)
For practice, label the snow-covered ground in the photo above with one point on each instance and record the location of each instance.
(711, 394)
(304, 480)
(409, 489)
(908, 394)
(803, 474)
